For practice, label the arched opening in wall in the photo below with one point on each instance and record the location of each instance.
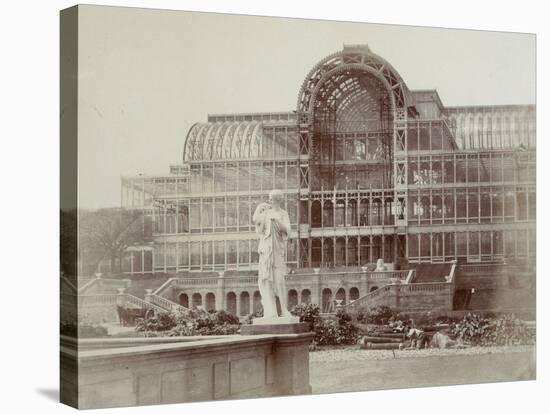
(351, 213)
(210, 302)
(244, 308)
(353, 294)
(352, 252)
(326, 300)
(292, 299)
(306, 297)
(340, 259)
(376, 212)
(364, 212)
(376, 248)
(341, 296)
(196, 300)
(257, 302)
(231, 303)
(328, 252)
(364, 250)
(316, 250)
(328, 214)
(372, 289)
(316, 214)
(339, 213)
(183, 300)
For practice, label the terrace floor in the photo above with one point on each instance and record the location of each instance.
(342, 370)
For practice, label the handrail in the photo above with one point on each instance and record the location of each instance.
(163, 286)
(134, 300)
(87, 285)
(452, 273)
(165, 303)
(410, 277)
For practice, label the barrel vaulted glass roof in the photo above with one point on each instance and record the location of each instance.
(223, 141)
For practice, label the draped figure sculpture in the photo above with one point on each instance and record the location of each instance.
(273, 227)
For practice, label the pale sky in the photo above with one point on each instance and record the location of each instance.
(147, 75)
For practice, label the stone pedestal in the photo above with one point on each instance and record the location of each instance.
(282, 325)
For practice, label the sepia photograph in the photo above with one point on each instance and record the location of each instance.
(262, 206)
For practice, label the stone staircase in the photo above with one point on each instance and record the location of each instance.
(431, 292)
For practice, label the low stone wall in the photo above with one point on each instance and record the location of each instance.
(114, 374)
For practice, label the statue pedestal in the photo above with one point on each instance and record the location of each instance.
(281, 325)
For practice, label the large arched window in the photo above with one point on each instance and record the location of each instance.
(340, 255)
(328, 252)
(231, 303)
(351, 213)
(244, 308)
(196, 300)
(316, 252)
(183, 300)
(326, 301)
(316, 217)
(328, 214)
(364, 250)
(352, 252)
(339, 213)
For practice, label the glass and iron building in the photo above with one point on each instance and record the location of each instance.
(369, 169)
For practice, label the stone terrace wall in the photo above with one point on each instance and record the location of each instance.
(210, 369)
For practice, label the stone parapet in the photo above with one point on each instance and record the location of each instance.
(172, 372)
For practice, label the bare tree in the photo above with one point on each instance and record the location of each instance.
(107, 233)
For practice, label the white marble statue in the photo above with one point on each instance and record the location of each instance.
(380, 267)
(272, 226)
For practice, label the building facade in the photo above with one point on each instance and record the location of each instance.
(369, 169)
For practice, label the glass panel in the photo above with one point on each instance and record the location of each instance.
(231, 246)
(219, 212)
(244, 252)
(206, 213)
(207, 252)
(195, 253)
(244, 213)
(473, 243)
(231, 215)
(183, 249)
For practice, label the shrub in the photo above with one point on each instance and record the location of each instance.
(188, 322)
(379, 315)
(307, 313)
(506, 330)
(159, 322)
(341, 331)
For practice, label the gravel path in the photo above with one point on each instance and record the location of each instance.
(352, 369)
(353, 353)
